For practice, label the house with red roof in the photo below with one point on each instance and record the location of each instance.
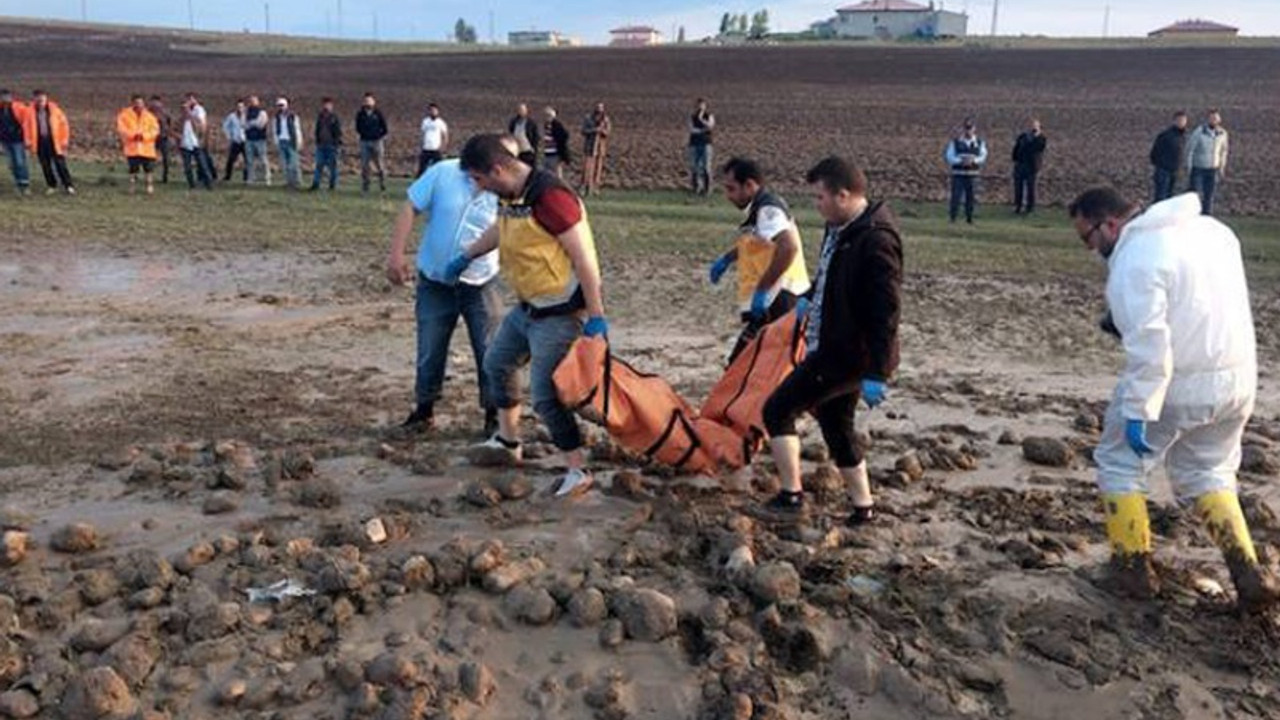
(634, 36)
(1195, 28)
(893, 19)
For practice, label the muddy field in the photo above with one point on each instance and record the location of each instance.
(891, 107)
(181, 425)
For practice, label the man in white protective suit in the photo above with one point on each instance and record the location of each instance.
(1178, 297)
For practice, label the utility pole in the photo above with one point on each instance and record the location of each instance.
(1106, 23)
(491, 35)
(375, 25)
(191, 15)
(995, 17)
(339, 18)
(266, 14)
(84, 11)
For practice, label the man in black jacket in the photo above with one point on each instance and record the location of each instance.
(1028, 156)
(524, 128)
(852, 336)
(371, 126)
(1167, 156)
(328, 141)
(555, 144)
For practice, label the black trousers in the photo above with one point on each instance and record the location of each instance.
(962, 190)
(426, 159)
(784, 303)
(831, 400)
(236, 151)
(1024, 188)
(51, 163)
(162, 151)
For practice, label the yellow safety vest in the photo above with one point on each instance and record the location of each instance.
(533, 262)
(755, 254)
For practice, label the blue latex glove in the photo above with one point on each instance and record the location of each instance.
(596, 326)
(1135, 431)
(802, 308)
(720, 267)
(873, 392)
(759, 304)
(455, 268)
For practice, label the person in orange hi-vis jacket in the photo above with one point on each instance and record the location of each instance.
(138, 129)
(47, 135)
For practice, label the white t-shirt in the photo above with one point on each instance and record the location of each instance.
(771, 222)
(190, 137)
(433, 132)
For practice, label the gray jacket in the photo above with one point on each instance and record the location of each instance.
(1207, 148)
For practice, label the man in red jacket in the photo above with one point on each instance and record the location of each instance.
(852, 336)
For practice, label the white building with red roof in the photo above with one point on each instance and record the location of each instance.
(1195, 28)
(893, 19)
(635, 36)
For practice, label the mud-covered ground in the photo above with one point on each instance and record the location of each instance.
(224, 419)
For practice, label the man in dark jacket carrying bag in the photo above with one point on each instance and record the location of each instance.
(852, 336)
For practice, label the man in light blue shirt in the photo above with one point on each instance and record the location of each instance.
(458, 213)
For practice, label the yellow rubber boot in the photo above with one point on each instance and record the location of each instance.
(1225, 523)
(1128, 525)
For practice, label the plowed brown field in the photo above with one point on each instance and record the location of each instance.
(890, 107)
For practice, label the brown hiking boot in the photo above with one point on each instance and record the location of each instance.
(1132, 576)
(1256, 587)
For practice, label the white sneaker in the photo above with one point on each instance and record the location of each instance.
(574, 482)
(495, 452)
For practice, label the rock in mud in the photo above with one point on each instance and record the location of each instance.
(628, 484)
(392, 669)
(15, 544)
(1050, 452)
(1087, 422)
(231, 692)
(1009, 437)
(503, 578)
(417, 573)
(221, 503)
(134, 657)
(198, 555)
(513, 486)
(776, 582)
(477, 683)
(646, 615)
(587, 608)
(97, 586)
(612, 633)
(97, 635)
(212, 620)
(320, 493)
(144, 569)
(534, 606)
(483, 495)
(99, 694)
(488, 558)
(1255, 460)
(75, 539)
(145, 599)
(911, 466)
(19, 704)
(343, 575)
(823, 483)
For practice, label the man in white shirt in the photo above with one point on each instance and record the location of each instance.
(233, 127)
(435, 137)
(195, 135)
(286, 130)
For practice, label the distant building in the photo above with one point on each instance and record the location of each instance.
(891, 20)
(1195, 28)
(635, 36)
(539, 38)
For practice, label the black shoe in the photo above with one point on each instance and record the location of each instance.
(861, 516)
(784, 506)
(422, 418)
(490, 422)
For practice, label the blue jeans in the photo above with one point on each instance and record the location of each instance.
(1162, 180)
(289, 163)
(203, 168)
(326, 159)
(17, 153)
(437, 309)
(255, 154)
(700, 168)
(962, 187)
(1204, 182)
(542, 343)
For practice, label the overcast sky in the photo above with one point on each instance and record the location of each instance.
(592, 19)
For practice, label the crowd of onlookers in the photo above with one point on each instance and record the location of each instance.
(150, 131)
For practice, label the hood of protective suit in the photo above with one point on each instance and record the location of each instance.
(1161, 216)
